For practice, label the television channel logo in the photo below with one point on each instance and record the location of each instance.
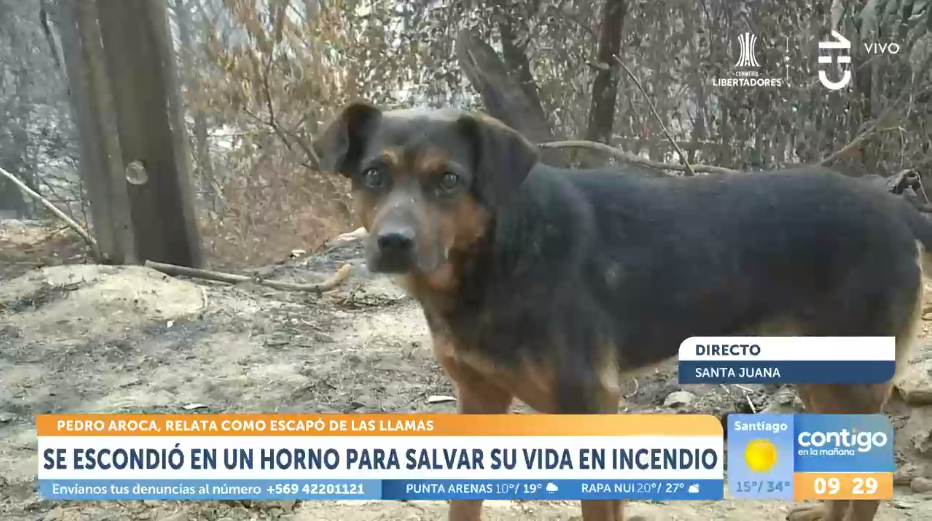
(843, 443)
(839, 43)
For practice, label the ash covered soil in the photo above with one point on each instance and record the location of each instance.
(89, 338)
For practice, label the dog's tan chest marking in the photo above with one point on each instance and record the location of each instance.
(531, 382)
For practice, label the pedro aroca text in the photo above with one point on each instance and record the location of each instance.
(198, 458)
(195, 424)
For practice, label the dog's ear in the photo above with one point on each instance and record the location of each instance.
(344, 140)
(503, 158)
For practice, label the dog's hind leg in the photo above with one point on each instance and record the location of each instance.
(842, 399)
(903, 304)
(856, 399)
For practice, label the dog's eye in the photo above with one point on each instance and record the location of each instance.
(372, 178)
(449, 181)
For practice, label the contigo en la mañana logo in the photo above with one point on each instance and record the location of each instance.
(840, 43)
(746, 57)
(747, 73)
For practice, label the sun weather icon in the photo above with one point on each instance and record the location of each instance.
(746, 57)
(760, 455)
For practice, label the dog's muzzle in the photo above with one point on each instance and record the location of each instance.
(395, 250)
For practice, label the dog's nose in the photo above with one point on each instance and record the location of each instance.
(399, 240)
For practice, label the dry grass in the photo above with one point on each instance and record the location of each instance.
(276, 206)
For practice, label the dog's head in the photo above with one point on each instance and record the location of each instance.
(425, 182)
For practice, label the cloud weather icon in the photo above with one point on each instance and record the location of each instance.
(694, 488)
(552, 488)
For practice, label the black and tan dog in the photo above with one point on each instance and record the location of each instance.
(546, 285)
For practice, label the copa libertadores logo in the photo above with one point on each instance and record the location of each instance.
(841, 44)
(746, 57)
(747, 71)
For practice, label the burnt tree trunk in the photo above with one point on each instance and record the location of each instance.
(92, 103)
(514, 36)
(605, 84)
(150, 124)
(502, 94)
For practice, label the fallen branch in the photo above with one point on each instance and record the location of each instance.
(91, 242)
(170, 269)
(356, 234)
(632, 158)
(653, 109)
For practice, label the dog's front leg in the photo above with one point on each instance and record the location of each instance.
(593, 395)
(475, 394)
(609, 510)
